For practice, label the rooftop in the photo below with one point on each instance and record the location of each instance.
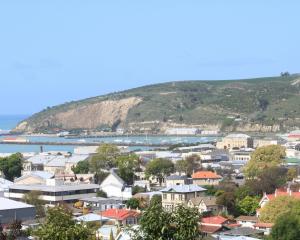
(6, 204)
(205, 175)
(176, 177)
(119, 214)
(183, 188)
(58, 188)
(218, 220)
(237, 135)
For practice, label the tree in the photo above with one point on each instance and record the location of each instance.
(33, 198)
(105, 158)
(286, 227)
(155, 223)
(133, 203)
(181, 166)
(101, 193)
(291, 174)
(159, 168)
(193, 164)
(263, 158)
(186, 223)
(11, 166)
(82, 167)
(267, 180)
(60, 225)
(227, 199)
(248, 205)
(279, 206)
(127, 164)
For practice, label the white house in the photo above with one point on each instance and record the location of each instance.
(114, 186)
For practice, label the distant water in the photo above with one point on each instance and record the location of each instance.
(8, 122)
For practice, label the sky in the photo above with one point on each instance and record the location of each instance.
(55, 51)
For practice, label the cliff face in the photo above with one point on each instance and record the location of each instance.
(263, 104)
(85, 116)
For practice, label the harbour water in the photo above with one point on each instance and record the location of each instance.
(10, 122)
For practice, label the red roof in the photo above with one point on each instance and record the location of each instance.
(210, 229)
(206, 174)
(218, 220)
(119, 214)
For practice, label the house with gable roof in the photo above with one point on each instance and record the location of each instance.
(114, 186)
(179, 194)
(202, 178)
(34, 177)
(206, 205)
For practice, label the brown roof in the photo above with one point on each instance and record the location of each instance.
(210, 229)
(247, 219)
(263, 225)
(209, 201)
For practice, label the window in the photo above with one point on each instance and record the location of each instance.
(164, 196)
(172, 196)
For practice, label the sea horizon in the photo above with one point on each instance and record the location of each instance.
(10, 121)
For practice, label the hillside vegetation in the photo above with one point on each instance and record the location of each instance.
(229, 104)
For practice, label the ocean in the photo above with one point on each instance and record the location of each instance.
(8, 122)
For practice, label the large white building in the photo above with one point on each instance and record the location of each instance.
(114, 186)
(54, 191)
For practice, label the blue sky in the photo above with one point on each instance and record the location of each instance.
(54, 51)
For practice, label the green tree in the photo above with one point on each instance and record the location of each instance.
(127, 164)
(60, 225)
(263, 158)
(291, 174)
(33, 198)
(82, 167)
(181, 166)
(133, 203)
(105, 158)
(287, 227)
(155, 224)
(228, 200)
(248, 205)
(101, 193)
(279, 206)
(186, 223)
(11, 166)
(159, 168)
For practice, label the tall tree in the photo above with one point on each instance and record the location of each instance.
(263, 158)
(127, 165)
(11, 166)
(193, 164)
(159, 168)
(105, 158)
(186, 223)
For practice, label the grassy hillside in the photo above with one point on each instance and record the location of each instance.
(268, 101)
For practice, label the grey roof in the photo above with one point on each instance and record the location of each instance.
(176, 177)
(237, 135)
(183, 188)
(111, 200)
(59, 188)
(6, 204)
(242, 231)
(56, 160)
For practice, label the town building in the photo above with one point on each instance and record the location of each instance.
(180, 194)
(213, 224)
(207, 205)
(35, 177)
(102, 204)
(177, 180)
(54, 191)
(122, 217)
(11, 210)
(114, 186)
(4, 185)
(202, 178)
(237, 141)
